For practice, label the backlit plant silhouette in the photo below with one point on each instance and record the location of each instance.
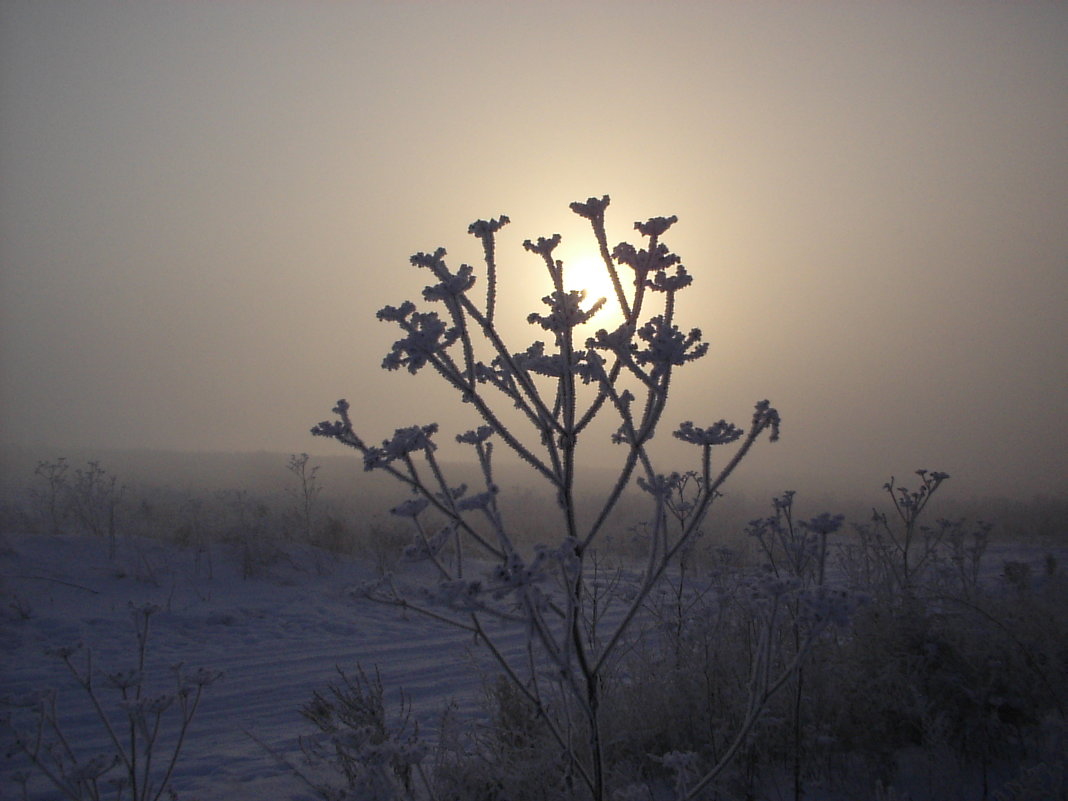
(558, 387)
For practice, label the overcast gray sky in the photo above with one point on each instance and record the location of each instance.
(203, 204)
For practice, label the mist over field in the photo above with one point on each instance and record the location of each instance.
(797, 528)
(166, 483)
(202, 207)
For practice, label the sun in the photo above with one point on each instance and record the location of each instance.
(587, 271)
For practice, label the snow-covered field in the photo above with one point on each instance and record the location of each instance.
(276, 636)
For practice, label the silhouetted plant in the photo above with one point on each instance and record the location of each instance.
(899, 549)
(558, 388)
(53, 497)
(94, 497)
(249, 526)
(796, 551)
(962, 546)
(306, 494)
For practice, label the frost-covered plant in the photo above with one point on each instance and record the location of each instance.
(793, 548)
(376, 755)
(897, 555)
(89, 496)
(679, 597)
(796, 552)
(248, 524)
(134, 730)
(306, 494)
(967, 545)
(192, 531)
(976, 688)
(94, 497)
(53, 497)
(960, 673)
(897, 548)
(556, 388)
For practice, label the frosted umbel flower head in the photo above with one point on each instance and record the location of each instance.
(537, 400)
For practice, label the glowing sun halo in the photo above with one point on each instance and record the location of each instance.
(589, 273)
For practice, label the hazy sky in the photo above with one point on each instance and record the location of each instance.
(203, 204)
